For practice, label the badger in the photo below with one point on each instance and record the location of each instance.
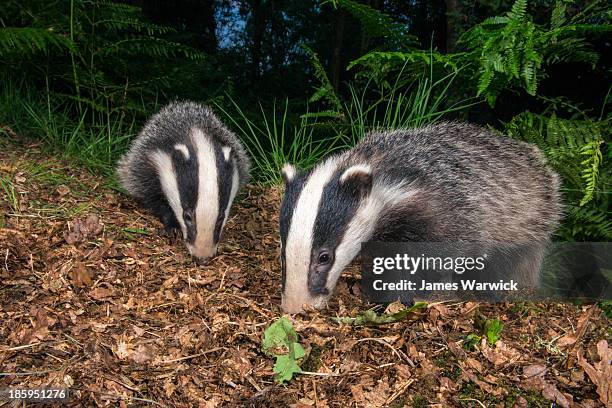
(186, 167)
(444, 182)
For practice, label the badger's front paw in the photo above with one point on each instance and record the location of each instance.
(170, 232)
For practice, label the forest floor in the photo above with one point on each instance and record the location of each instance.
(93, 299)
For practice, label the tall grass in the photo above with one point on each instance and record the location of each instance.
(95, 139)
(420, 103)
(271, 141)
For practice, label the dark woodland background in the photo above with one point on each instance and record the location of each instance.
(298, 79)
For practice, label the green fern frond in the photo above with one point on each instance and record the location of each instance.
(519, 10)
(29, 40)
(557, 17)
(484, 81)
(325, 90)
(154, 47)
(114, 25)
(512, 49)
(590, 172)
(497, 20)
(399, 58)
(587, 223)
(573, 148)
(377, 24)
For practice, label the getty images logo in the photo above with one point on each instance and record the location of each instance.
(411, 264)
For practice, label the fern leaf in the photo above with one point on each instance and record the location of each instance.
(378, 24)
(29, 40)
(590, 164)
(519, 10)
(557, 17)
(326, 90)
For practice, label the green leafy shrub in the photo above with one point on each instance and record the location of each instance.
(280, 341)
(574, 148)
(513, 50)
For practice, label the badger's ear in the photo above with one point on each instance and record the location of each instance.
(358, 179)
(227, 152)
(289, 173)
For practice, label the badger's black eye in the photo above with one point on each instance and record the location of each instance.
(188, 217)
(324, 258)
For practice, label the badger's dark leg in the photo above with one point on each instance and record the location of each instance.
(160, 207)
(171, 225)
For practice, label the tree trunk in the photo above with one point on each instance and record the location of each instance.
(365, 38)
(259, 25)
(336, 61)
(453, 17)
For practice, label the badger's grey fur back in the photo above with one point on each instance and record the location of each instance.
(444, 182)
(186, 167)
(470, 184)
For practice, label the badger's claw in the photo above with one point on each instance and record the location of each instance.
(170, 232)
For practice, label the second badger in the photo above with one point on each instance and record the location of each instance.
(445, 182)
(186, 168)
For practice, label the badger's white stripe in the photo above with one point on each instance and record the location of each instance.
(233, 191)
(356, 169)
(299, 238)
(226, 152)
(207, 204)
(169, 184)
(362, 225)
(183, 149)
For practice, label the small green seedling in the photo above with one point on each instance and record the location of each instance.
(280, 341)
(490, 328)
(371, 318)
(493, 329)
(471, 341)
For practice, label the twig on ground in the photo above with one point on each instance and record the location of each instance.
(193, 355)
(398, 353)
(122, 397)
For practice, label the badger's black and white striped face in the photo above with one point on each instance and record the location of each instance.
(199, 180)
(325, 215)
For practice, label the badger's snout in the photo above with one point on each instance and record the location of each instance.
(202, 254)
(296, 304)
(202, 261)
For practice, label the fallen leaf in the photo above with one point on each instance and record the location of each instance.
(571, 338)
(535, 370)
(600, 373)
(373, 397)
(84, 229)
(473, 363)
(534, 379)
(62, 190)
(500, 354)
(80, 275)
(143, 353)
(520, 402)
(100, 293)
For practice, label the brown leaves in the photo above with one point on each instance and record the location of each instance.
(500, 354)
(84, 229)
(601, 372)
(80, 276)
(142, 352)
(101, 293)
(368, 394)
(534, 378)
(570, 339)
(125, 315)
